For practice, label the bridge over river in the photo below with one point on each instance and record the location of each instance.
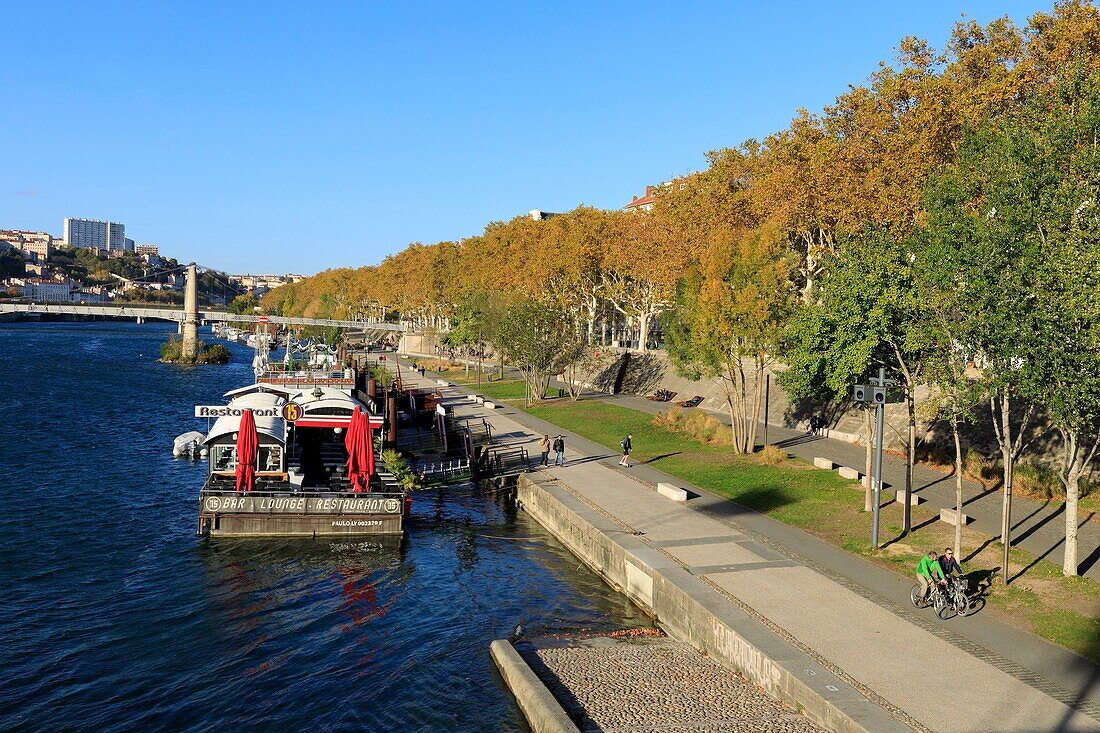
(142, 312)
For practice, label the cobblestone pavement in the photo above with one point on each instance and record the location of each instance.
(654, 684)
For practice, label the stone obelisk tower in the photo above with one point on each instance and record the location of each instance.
(190, 314)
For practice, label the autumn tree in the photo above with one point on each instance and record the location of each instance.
(729, 313)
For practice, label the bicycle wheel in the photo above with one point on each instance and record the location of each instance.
(916, 596)
(962, 603)
(942, 605)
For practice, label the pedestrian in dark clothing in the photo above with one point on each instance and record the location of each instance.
(626, 444)
(559, 451)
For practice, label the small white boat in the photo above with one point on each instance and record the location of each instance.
(190, 444)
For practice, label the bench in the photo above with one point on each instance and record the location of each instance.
(672, 492)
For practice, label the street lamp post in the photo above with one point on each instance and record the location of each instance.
(878, 393)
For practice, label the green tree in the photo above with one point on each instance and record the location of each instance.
(538, 341)
(868, 314)
(986, 220)
(1066, 127)
(244, 304)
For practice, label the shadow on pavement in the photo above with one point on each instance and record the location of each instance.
(798, 440)
(763, 498)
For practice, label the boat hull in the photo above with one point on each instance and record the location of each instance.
(227, 514)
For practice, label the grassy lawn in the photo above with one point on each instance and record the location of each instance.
(1063, 610)
(501, 390)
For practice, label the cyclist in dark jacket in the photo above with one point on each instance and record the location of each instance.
(949, 564)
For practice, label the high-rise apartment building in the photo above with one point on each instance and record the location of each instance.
(107, 235)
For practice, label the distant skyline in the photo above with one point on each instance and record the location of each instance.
(280, 137)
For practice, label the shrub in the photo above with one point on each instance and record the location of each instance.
(172, 353)
(772, 456)
(979, 468)
(670, 419)
(214, 354)
(696, 425)
(400, 469)
(1037, 481)
(381, 376)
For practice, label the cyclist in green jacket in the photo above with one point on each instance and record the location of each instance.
(928, 568)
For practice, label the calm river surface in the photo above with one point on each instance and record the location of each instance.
(116, 617)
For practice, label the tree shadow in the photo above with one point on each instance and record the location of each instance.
(654, 459)
(1085, 565)
(763, 498)
(798, 440)
(1038, 525)
(1036, 561)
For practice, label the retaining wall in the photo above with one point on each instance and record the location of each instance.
(692, 611)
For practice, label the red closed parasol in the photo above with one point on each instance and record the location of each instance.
(351, 444)
(368, 444)
(247, 445)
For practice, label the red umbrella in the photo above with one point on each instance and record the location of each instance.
(369, 446)
(351, 443)
(247, 444)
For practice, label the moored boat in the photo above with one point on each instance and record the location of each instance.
(310, 466)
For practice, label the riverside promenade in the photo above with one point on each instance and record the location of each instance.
(1037, 527)
(838, 625)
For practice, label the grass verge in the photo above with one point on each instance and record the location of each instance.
(1063, 610)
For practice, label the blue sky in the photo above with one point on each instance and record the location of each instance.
(275, 137)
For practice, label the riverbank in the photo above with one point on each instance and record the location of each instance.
(1040, 599)
(874, 593)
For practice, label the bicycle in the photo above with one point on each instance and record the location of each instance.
(960, 599)
(938, 598)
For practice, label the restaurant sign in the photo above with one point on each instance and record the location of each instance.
(244, 504)
(227, 411)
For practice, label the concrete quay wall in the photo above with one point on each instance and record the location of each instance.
(692, 611)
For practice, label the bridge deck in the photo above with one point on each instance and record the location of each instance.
(177, 315)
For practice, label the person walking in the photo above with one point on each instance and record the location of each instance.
(559, 450)
(544, 447)
(626, 444)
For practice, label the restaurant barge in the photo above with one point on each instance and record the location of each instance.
(299, 481)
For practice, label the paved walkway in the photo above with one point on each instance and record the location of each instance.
(972, 674)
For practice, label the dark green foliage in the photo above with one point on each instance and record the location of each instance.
(171, 352)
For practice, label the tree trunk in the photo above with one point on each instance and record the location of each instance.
(1073, 482)
(758, 396)
(643, 331)
(958, 479)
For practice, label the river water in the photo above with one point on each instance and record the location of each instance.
(116, 617)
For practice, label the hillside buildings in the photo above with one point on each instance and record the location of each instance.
(260, 284)
(36, 246)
